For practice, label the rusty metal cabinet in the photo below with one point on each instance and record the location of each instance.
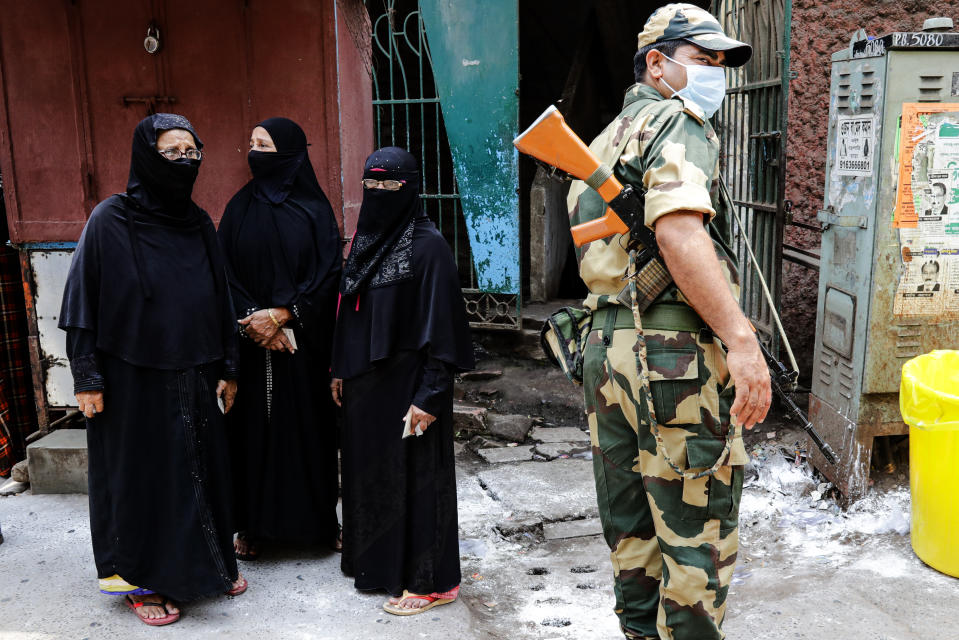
(861, 340)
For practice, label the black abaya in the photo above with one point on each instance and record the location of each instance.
(149, 323)
(159, 481)
(401, 333)
(400, 528)
(283, 250)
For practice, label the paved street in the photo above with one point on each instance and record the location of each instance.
(533, 566)
(804, 572)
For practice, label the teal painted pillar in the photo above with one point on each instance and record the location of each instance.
(475, 54)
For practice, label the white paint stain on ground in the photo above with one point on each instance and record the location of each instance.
(786, 501)
(792, 539)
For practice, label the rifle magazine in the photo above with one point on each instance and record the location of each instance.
(651, 280)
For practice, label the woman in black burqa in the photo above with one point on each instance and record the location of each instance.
(401, 333)
(152, 347)
(284, 256)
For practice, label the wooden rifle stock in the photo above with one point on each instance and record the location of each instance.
(550, 140)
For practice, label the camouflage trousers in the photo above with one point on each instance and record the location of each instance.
(673, 541)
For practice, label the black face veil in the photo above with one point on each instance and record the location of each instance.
(383, 245)
(161, 185)
(277, 174)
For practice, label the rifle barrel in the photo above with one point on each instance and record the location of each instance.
(800, 417)
(779, 372)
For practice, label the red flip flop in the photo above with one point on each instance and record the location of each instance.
(169, 618)
(432, 600)
(235, 591)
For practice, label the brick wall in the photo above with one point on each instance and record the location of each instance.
(818, 30)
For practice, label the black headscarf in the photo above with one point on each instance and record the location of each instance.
(404, 294)
(280, 236)
(382, 249)
(274, 173)
(148, 276)
(157, 184)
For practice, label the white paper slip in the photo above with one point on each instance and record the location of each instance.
(407, 421)
(219, 403)
(290, 336)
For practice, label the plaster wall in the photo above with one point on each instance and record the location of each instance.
(818, 30)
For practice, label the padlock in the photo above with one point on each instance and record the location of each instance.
(152, 42)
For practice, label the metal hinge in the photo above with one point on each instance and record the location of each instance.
(828, 218)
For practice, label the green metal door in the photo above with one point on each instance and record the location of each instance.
(446, 89)
(752, 127)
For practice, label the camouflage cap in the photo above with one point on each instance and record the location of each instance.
(696, 26)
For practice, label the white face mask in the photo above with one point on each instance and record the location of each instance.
(705, 85)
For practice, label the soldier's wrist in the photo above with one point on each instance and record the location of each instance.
(741, 341)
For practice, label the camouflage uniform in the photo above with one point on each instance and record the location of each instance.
(673, 540)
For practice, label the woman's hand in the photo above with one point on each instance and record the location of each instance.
(259, 326)
(336, 388)
(280, 342)
(90, 403)
(226, 389)
(419, 418)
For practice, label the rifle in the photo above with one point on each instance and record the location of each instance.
(550, 140)
(784, 381)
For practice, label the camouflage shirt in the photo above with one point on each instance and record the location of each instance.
(672, 153)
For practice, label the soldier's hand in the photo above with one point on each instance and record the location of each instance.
(753, 391)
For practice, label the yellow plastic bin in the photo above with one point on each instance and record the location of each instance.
(929, 402)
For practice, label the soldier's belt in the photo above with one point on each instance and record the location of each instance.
(665, 316)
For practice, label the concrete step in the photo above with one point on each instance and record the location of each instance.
(534, 315)
(523, 344)
(58, 462)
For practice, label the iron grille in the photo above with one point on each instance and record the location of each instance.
(752, 127)
(407, 113)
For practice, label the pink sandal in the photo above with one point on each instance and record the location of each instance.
(169, 618)
(240, 588)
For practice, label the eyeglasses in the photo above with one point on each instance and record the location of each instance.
(389, 185)
(176, 154)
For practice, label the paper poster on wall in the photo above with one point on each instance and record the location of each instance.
(927, 212)
(921, 291)
(928, 144)
(855, 144)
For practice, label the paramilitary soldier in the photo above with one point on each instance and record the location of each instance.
(668, 481)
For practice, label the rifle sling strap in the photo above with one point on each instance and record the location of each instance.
(642, 368)
(598, 177)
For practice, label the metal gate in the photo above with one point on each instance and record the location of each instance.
(752, 127)
(407, 110)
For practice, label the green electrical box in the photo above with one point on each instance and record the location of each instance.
(889, 266)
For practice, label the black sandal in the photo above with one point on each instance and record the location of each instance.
(251, 544)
